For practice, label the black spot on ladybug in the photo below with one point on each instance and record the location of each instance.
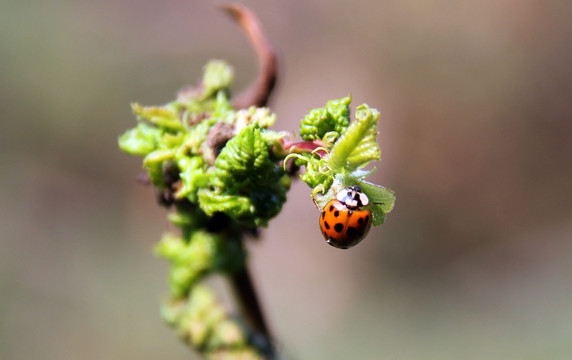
(366, 218)
(331, 208)
(339, 227)
(360, 220)
(323, 214)
(336, 213)
(351, 231)
(327, 225)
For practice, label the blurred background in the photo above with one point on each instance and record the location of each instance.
(474, 262)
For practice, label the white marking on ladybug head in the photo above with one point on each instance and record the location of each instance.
(352, 197)
(351, 203)
(342, 195)
(363, 199)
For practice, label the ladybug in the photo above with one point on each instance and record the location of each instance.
(343, 220)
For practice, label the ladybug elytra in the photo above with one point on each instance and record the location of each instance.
(343, 221)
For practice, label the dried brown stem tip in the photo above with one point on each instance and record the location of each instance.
(259, 91)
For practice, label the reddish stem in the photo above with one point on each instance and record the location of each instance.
(306, 147)
(259, 91)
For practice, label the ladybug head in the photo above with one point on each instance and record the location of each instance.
(352, 197)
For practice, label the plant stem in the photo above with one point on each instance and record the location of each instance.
(251, 310)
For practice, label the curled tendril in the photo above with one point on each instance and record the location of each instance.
(323, 149)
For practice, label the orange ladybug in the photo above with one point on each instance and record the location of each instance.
(343, 220)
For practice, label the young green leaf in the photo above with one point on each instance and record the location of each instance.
(193, 176)
(244, 163)
(237, 207)
(162, 117)
(141, 140)
(379, 195)
(358, 145)
(217, 75)
(333, 117)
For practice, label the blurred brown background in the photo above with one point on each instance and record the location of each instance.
(475, 262)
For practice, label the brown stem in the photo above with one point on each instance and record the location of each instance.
(252, 311)
(259, 91)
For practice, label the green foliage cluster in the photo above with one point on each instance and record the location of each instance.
(218, 168)
(346, 149)
(205, 325)
(243, 181)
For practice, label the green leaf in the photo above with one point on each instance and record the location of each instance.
(381, 199)
(268, 200)
(154, 162)
(163, 117)
(379, 195)
(244, 163)
(237, 207)
(248, 185)
(334, 117)
(217, 75)
(187, 219)
(193, 176)
(158, 156)
(377, 215)
(222, 107)
(171, 140)
(141, 140)
(202, 253)
(358, 145)
(314, 176)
